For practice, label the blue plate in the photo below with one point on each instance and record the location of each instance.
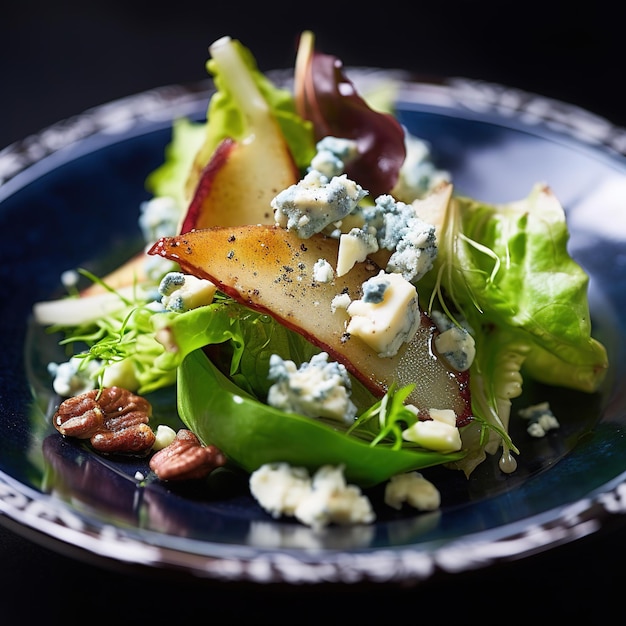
(70, 196)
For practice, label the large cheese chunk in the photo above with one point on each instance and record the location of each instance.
(387, 315)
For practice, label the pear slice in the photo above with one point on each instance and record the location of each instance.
(240, 180)
(271, 269)
(234, 181)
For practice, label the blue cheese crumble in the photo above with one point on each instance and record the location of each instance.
(332, 155)
(74, 377)
(454, 343)
(399, 229)
(418, 175)
(387, 315)
(183, 292)
(318, 388)
(540, 419)
(412, 240)
(158, 217)
(340, 302)
(316, 202)
(280, 487)
(317, 501)
(80, 375)
(416, 251)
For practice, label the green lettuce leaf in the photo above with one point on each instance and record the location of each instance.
(170, 178)
(246, 341)
(228, 116)
(252, 433)
(506, 269)
(252, 338)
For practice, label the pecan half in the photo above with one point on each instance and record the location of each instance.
(79, 416)
(186, 458)
(114, 420)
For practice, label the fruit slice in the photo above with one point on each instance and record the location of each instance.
(240, 180)
(130, 273)
(233, 181)
(271, 269)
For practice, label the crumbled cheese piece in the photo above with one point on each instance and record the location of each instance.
(332, 155)
(279, 488)
(354, 247)
(387, 315)
(315, 202)
(541, 419)
(439, 433)
(398, 228)
(418, 175)
(340, 301)
(332, 501)
(325, 499)
(164, 435)
(455, 342)
(416, 251)
(75, 377)
(183, 292)
(413, 489)
(323, 271)
(158, 218)
(318, 388)
(457, 347)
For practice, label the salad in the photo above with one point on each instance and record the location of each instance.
(330, 313)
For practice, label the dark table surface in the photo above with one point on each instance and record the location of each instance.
(58, 59)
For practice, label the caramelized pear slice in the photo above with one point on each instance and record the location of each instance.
(271, 269)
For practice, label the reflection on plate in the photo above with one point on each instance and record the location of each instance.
(69, 197)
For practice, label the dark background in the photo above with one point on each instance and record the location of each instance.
(59, 59)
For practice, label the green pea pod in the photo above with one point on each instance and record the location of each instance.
(251, 433)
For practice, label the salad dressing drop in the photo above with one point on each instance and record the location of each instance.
(507, 462)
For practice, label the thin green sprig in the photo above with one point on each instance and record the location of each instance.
(393, 416)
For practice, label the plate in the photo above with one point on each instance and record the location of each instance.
(70, 197)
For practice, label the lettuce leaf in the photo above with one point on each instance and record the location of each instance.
(234, 109)
(253, 433)
(170, 178)
(252, 338)
(327, 97)
(507, 271)
(221, 397)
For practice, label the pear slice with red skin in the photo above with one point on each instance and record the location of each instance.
(240, 180)
(270, 269)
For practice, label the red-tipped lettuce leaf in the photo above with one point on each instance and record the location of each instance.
(328, 98)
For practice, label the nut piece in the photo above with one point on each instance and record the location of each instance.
(114, 419)
(186, 458)
(79, 416)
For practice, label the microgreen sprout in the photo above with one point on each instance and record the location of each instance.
(393, 416)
